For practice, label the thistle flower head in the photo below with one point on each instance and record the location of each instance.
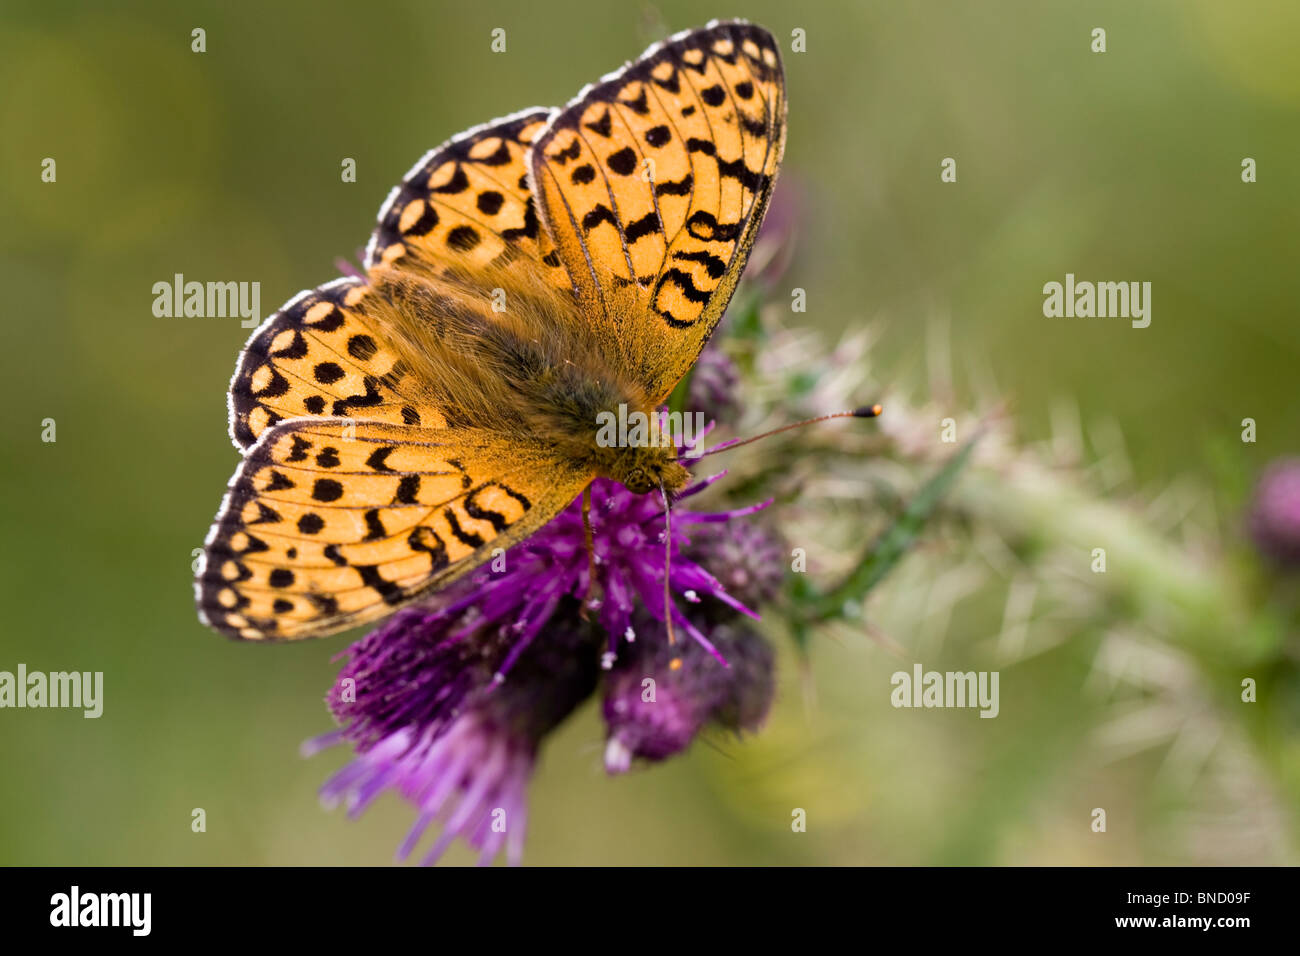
(431, 723)
(657, 699)
(628, 530)
(447, 703)
(748, 558)
(1275, 516)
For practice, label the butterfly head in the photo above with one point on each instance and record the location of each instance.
(642, 470)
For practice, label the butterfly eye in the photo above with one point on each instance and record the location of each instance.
(639, 481)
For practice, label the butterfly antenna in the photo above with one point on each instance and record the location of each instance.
(866, 411)
(676, 662)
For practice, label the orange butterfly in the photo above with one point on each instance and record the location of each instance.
(526, 276)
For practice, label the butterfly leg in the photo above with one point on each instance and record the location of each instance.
(592, 596)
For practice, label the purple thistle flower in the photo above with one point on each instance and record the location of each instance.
(1275, 517)
(628, 540)
(473, 778)
(654, 709)
(748, 558)
(465, 766)
(448, 703)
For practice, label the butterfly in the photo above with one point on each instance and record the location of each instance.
(397, 429)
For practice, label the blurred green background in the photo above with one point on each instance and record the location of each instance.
(225, 166)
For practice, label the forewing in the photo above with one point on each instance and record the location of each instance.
(653, 184)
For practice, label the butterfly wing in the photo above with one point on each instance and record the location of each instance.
(321, 381)
(653, 184)
(324, 354)
(467, 206)
(329, 523)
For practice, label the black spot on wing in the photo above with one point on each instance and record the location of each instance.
(754, 127)
(685, 283)
(254, 545)
(671, 82)
(601, 126)
(277, 482)
(572, 151)
(368, 400)
(712, 264)
(325, 604)
(274, 388)
(681, 187)
(298, 452)
(528, 230)
(645, 226)
(704, 225)
(464, 537)
(370, 576)
(737, 170)
(494, 518)
(601, 213)
(374, 526)
(425, 539)
(463, 238)
(713, 95)
(422, 226)
(266, 514)
(490, 202)
(327, 489)
(622, 162)
(378, 458)
(458, 183)
(362, 347)
(327, 373)
(296, 349)
(331, 321)
(638, 104)
(408, 490)
(658, 136)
